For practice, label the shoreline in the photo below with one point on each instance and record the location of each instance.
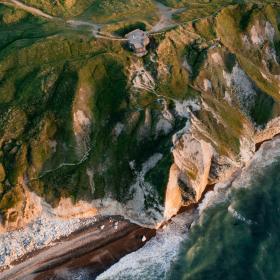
(38, 251)
(93, 249)
(259, 144)
(108, 248)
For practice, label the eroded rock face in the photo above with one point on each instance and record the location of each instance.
(82, 118)
(173, 197)
(271, 130)
(193, 158)
(24, 210)
(200, 164)
(199, 99)
(221, 137)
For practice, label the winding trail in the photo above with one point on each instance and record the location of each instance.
(165, 23)
(32, 10)
(95, 248)
(166, 15)
(64, 164)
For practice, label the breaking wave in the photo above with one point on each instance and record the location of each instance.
(238, 237)
(236, 233)
(153, 261)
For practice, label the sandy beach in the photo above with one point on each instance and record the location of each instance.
(93, 250)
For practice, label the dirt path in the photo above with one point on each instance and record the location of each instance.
(166, 15)
(166, 21)
(26, 8)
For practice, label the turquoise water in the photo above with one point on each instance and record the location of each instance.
(239, 238)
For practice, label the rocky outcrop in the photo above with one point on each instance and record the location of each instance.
(82, 118)
(193, 158)
(220, 138)
(271, 130)
(25, 207)
(173, 196)
(78, 111)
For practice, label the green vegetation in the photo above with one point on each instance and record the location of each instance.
(100, 11)
(263, 109)
(226, 135)
(60, 8)
(234, 22)
(122, 31)
(68, 109)
(116, 10)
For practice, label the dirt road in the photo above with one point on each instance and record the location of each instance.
(26, 8)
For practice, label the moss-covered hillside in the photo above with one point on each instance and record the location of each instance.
(98, 10)
(82, 117)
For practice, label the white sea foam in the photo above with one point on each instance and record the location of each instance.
(239, 216)
(218, 195)
(267, 155)
(152, 261)
(155, 258)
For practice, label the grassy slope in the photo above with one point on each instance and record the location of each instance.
(97, 10)
(43, 65)
(41, 70)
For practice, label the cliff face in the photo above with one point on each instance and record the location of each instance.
(83, 118)
(239, 93)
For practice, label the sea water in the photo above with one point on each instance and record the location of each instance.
(237, 234)
(154, 259)
(239, 237)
